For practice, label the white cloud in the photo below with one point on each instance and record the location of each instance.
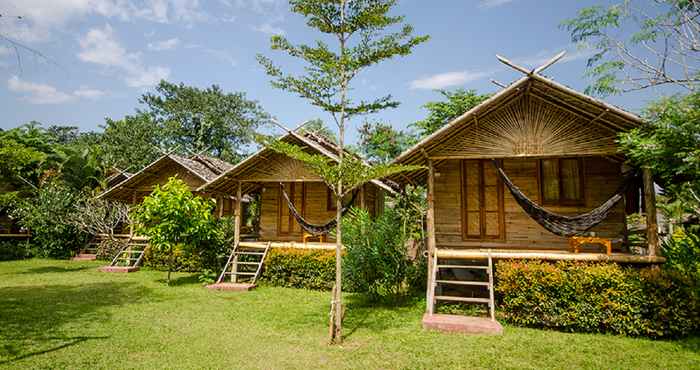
(262, 6)
(37, 93)
(100, 46)
(268, 28)
(88, 93)
(493, 3)
(40, 18)
(448, 79)
(168, 44)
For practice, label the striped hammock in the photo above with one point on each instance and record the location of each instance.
(565, 225)
(315, 229)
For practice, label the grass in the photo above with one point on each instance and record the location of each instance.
(62, 314)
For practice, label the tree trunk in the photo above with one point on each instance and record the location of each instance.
(171, 265)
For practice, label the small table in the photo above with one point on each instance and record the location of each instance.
(575, 243)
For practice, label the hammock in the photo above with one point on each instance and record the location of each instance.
(315, 229)
(559, 224)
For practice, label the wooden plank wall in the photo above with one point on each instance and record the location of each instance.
(316, 209)
(602, 178)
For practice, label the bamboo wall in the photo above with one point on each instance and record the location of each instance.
(315, 208)
(602, 177)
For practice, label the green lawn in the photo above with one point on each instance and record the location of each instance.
(61, 314)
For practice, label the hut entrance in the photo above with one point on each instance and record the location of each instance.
(482, 201)
(286, 223)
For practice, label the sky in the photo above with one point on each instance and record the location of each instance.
(100, 56)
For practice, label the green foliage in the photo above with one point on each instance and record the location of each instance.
(11, 250)
(175, 220)
(669, 143)
(297, 268)
(375, 260)
(598, 298)
(682, 252)
(440, 113)
(317, 127)
(204, 120)
(638, 44)
(132, 142)
(46, 216)
(380, 142)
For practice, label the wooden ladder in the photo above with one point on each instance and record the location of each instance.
(245, 263)
(132, 253)
(474, 267)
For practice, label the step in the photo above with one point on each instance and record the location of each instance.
(232, 287)
(250, 253)
(460, 282)
(241, 273)
(247, 263)
(479, 267)
(462, 324)
(462, 299)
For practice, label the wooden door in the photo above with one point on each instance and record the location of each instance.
(482, 201)
(286, 223)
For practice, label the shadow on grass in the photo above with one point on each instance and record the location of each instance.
(51, 269)
(376, 316)
(34, 317)
(181, 280)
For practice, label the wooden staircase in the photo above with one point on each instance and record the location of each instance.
(471, 271)
(468, 277)
(88, 252)
(129, 258)
(242, 268)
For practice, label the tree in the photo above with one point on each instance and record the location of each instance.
(359, 29)
(204, 120)
(669, 144)
(664, 49)
(131, 143)
(440, 113)
(172, 217)
(318, 127)
(380, 142)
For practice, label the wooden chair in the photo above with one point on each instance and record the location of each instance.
(575, 243)
(307, 236)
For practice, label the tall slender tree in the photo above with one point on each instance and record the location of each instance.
(360, 30)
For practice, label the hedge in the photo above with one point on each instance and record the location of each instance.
(15, 250)
(598, 298)
(299, 268)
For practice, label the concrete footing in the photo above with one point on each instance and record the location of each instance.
(462, 324)
(124, 269)
(84, 257)
(232, 287)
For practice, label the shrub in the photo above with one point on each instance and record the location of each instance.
(15, 250)
(175, 220)
(300, 268)
(376, 261)
(47, 217)
(598, 298)
(682, 252)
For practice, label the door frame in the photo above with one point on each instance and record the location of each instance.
(482, 212)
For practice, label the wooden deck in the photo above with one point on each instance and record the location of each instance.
(547, 255)
(296, 245)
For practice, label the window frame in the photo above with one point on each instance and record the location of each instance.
(482, 237)
(561, 201)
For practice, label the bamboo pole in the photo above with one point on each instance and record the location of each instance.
(430, 220)
(650, 210)
(237, 227)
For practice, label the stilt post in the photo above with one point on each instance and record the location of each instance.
(650, 210)
(430, 228)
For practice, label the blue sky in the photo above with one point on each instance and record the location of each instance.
(105, 53)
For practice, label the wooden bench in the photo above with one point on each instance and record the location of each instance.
(575, 243)
(307, 236)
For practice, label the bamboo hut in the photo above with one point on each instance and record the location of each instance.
(533, 172)
(269, 175)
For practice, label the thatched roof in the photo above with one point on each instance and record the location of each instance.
(198, 168)
(267, 165)
(532, 117)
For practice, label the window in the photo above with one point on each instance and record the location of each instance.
(561, 181)
(482, 201)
